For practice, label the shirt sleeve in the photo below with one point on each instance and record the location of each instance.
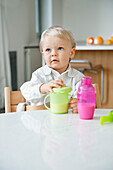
(30, 89)
(76, 89)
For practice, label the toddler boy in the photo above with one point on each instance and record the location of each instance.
(57, 45)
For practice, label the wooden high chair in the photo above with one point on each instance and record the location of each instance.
(86, 66)
(13, 98)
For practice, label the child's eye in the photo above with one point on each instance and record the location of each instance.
(60, 48)
(48, 49)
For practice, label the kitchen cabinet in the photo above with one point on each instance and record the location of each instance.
(33, 60)
(99, 55)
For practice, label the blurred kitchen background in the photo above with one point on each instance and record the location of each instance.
(23, 21)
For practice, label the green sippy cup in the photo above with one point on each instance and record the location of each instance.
(59, 100)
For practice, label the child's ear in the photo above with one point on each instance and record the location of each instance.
(72, 54)
(42, 52)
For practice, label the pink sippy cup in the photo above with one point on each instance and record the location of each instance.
(86, 99)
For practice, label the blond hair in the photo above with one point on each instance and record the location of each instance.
(60, 32)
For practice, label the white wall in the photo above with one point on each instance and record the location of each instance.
(57, 13)
(21, 30)
(88, 18)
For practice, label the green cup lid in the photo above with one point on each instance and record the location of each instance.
(66, 89)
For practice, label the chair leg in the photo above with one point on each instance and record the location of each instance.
(7, 100)
(98, 100)
(102, 84)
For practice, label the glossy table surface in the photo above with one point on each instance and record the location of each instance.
(41, 140)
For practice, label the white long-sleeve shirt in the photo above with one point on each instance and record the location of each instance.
(30, 90)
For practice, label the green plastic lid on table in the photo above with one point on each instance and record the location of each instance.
(105, 119)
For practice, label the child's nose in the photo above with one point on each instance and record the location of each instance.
(54, 53)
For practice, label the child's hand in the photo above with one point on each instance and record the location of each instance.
(45, 88)
(73, 105)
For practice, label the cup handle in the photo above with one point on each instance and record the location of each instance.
(70, 95)
(72, 98)
(45, 102)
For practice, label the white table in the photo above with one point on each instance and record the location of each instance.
(41, 140)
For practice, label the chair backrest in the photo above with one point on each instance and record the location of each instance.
(98, 98)
(81, 64)
(86, 67)
(13, 98)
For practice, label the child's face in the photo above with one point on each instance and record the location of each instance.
(57, 52)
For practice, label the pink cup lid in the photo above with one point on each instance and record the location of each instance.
(86, 80)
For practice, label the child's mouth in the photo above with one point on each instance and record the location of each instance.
(54, 61)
